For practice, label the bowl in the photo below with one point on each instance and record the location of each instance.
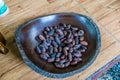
(25, 39)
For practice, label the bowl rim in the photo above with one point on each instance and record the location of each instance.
(56, 75)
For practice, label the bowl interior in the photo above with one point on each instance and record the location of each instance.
(34, 27)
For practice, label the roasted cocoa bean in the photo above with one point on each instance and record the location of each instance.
(41, 37)
(58, 55)
(55, 49)
(38, 50)
(63, 61)
(63, 57)
(60, 49)
(80, 32)
(77, 54)
(50, 49)
(51, 32)
(60, 32)
(71, 50)
(54, 44)
(65, 33)
(73, 63)
(57, 59)
(46, 54)
(67, 64)
(42, 56)
(84, 43)
(73, 42)
(74, 28)
(81, 38)
(65, 50)
(77, 40)
(70, 57)
(58, 65)
(42, 48)
(53, 55)
(57, 40)
(78, 59)
(47, 29)
(51, 59)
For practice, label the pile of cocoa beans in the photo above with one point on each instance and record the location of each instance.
(63, 45)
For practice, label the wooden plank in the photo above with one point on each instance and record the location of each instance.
(114, 28)
(15, 73)
(51, 1)
(102, 10)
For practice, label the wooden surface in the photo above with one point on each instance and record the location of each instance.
(106, 13)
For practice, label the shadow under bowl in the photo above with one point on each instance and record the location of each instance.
(25, 39)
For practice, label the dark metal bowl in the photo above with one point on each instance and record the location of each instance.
(25, 39)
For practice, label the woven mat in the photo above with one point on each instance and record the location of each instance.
(111, 71)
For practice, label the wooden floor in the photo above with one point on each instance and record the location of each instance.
(106, 13)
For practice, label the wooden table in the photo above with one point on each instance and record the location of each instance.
(106, 13)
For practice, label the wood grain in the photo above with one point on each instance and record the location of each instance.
(107, 12)
(103, 10)
(51, 1)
